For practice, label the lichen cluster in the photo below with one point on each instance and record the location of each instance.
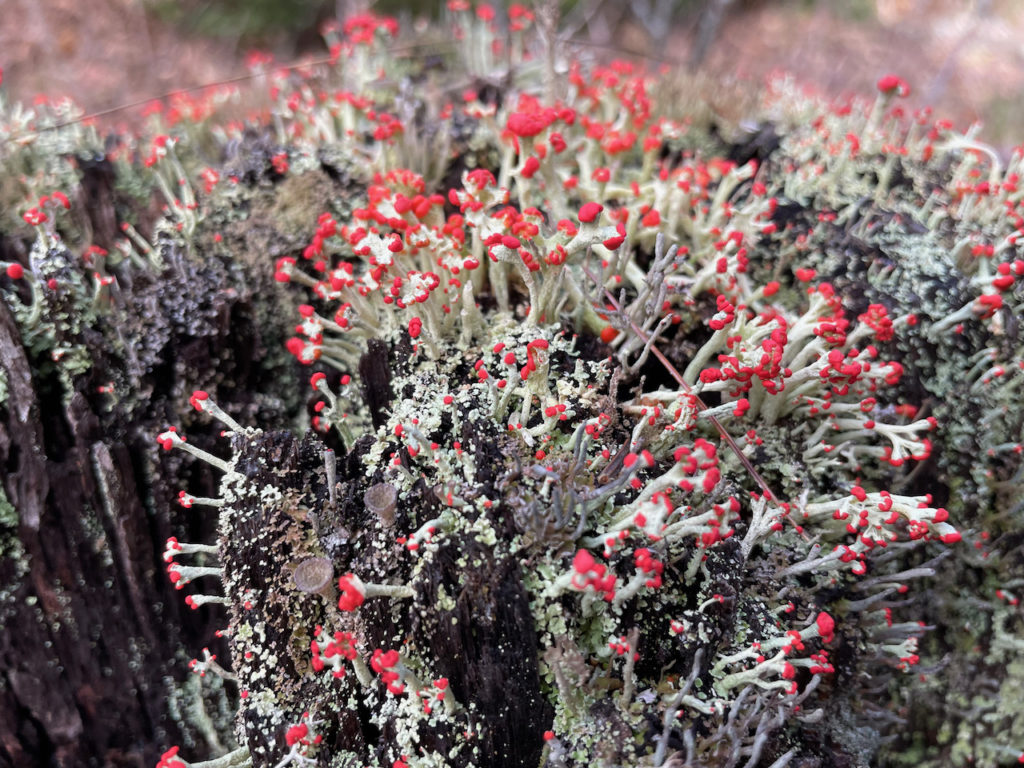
(632, 442)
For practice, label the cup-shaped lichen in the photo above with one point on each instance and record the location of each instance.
(382, 500)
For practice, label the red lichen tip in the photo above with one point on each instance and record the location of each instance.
(826, 626)
(169, 759)
(296, 734)
(353, 592)
(589, 212)
(415, 327)
(892, 84)
(169, 438)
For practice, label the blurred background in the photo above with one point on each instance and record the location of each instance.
(964, 58)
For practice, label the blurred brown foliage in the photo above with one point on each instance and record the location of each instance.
(961, 57)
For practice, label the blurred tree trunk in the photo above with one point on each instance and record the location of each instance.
(710, 22)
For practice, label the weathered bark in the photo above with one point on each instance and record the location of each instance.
(94, 644)
(485, 645)
(90, 590)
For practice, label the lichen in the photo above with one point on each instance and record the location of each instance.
(685, 433)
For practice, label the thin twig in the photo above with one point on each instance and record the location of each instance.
(674, 373)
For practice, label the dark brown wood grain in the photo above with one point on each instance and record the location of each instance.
(94, 637)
